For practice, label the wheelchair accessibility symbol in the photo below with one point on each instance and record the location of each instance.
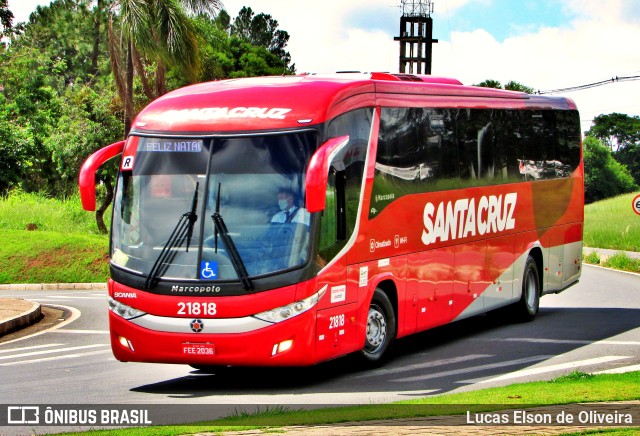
(208, 270)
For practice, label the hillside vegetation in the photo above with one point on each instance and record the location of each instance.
(64, 247)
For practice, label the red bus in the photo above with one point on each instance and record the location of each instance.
(292, 220)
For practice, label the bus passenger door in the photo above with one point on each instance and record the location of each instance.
(336, 318)
(336, 323)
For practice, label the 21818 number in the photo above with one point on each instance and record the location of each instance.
(197, 309)
(336, 321)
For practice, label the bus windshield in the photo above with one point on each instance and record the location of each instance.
(213, 209)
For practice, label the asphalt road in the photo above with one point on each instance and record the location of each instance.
(593, 326)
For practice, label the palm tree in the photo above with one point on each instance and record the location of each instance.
(145, 32)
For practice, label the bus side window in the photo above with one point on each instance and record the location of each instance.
(333, 233)
(127, 201)
(341, 205)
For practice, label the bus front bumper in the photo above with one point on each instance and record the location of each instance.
(209, 341)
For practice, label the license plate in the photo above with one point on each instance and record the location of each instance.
(198, 349)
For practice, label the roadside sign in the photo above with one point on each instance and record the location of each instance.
(636, 204)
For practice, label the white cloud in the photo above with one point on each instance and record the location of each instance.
(593, 47)
(21, 9)
(452, 5)
(614, 11)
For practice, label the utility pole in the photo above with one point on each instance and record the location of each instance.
(416, 37)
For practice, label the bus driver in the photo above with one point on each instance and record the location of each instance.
(289, 212)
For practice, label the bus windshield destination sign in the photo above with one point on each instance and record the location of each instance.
(171, 146)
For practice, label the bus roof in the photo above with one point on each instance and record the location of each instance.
(291, 102)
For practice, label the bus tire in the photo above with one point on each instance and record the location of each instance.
(527, 307)
(380, 330)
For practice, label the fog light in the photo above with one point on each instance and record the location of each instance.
(282, 347)
(126, 343)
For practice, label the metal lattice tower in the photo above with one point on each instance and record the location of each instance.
(416, 37)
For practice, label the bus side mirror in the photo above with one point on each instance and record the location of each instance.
(87, 176)
(318, 173)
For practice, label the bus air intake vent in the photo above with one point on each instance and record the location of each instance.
(415, 78)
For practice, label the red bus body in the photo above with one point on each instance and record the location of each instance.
(440, 248)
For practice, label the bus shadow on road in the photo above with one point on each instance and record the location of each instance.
(437, 361)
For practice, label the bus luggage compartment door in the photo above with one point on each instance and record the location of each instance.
(336, 331)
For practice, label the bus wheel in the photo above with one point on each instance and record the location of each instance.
(381, 328)
(529, 303)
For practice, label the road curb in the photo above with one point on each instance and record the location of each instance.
(612, 269)
(15, 319)
(54, 286)
(24, 319)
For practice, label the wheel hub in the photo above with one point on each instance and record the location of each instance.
(376, 328)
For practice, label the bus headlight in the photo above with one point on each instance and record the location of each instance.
(283, 313)
(121, 309)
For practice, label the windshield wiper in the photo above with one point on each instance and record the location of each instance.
(236, 260)
(181, 232)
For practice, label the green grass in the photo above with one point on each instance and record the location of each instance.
(18, 209)
(622, 262)
(65, 248)
(573, 388)
(612, 224)
(619, 261)
(52, 257)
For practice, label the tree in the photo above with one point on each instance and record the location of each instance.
(226, 55)
(64, 31)
(604, 176)
(88, 121)
(97, 36)
(145, 33)
(30, 79)
(489, 83)
(51, 54)
(629, 156)
(616, 130)
(621, 133)
(262, 30)
(57, 104)
(14, 145)
(510, 86)
(516, 86)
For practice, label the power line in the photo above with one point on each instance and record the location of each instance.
(591, 85)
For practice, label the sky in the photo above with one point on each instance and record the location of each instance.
(544, 44)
